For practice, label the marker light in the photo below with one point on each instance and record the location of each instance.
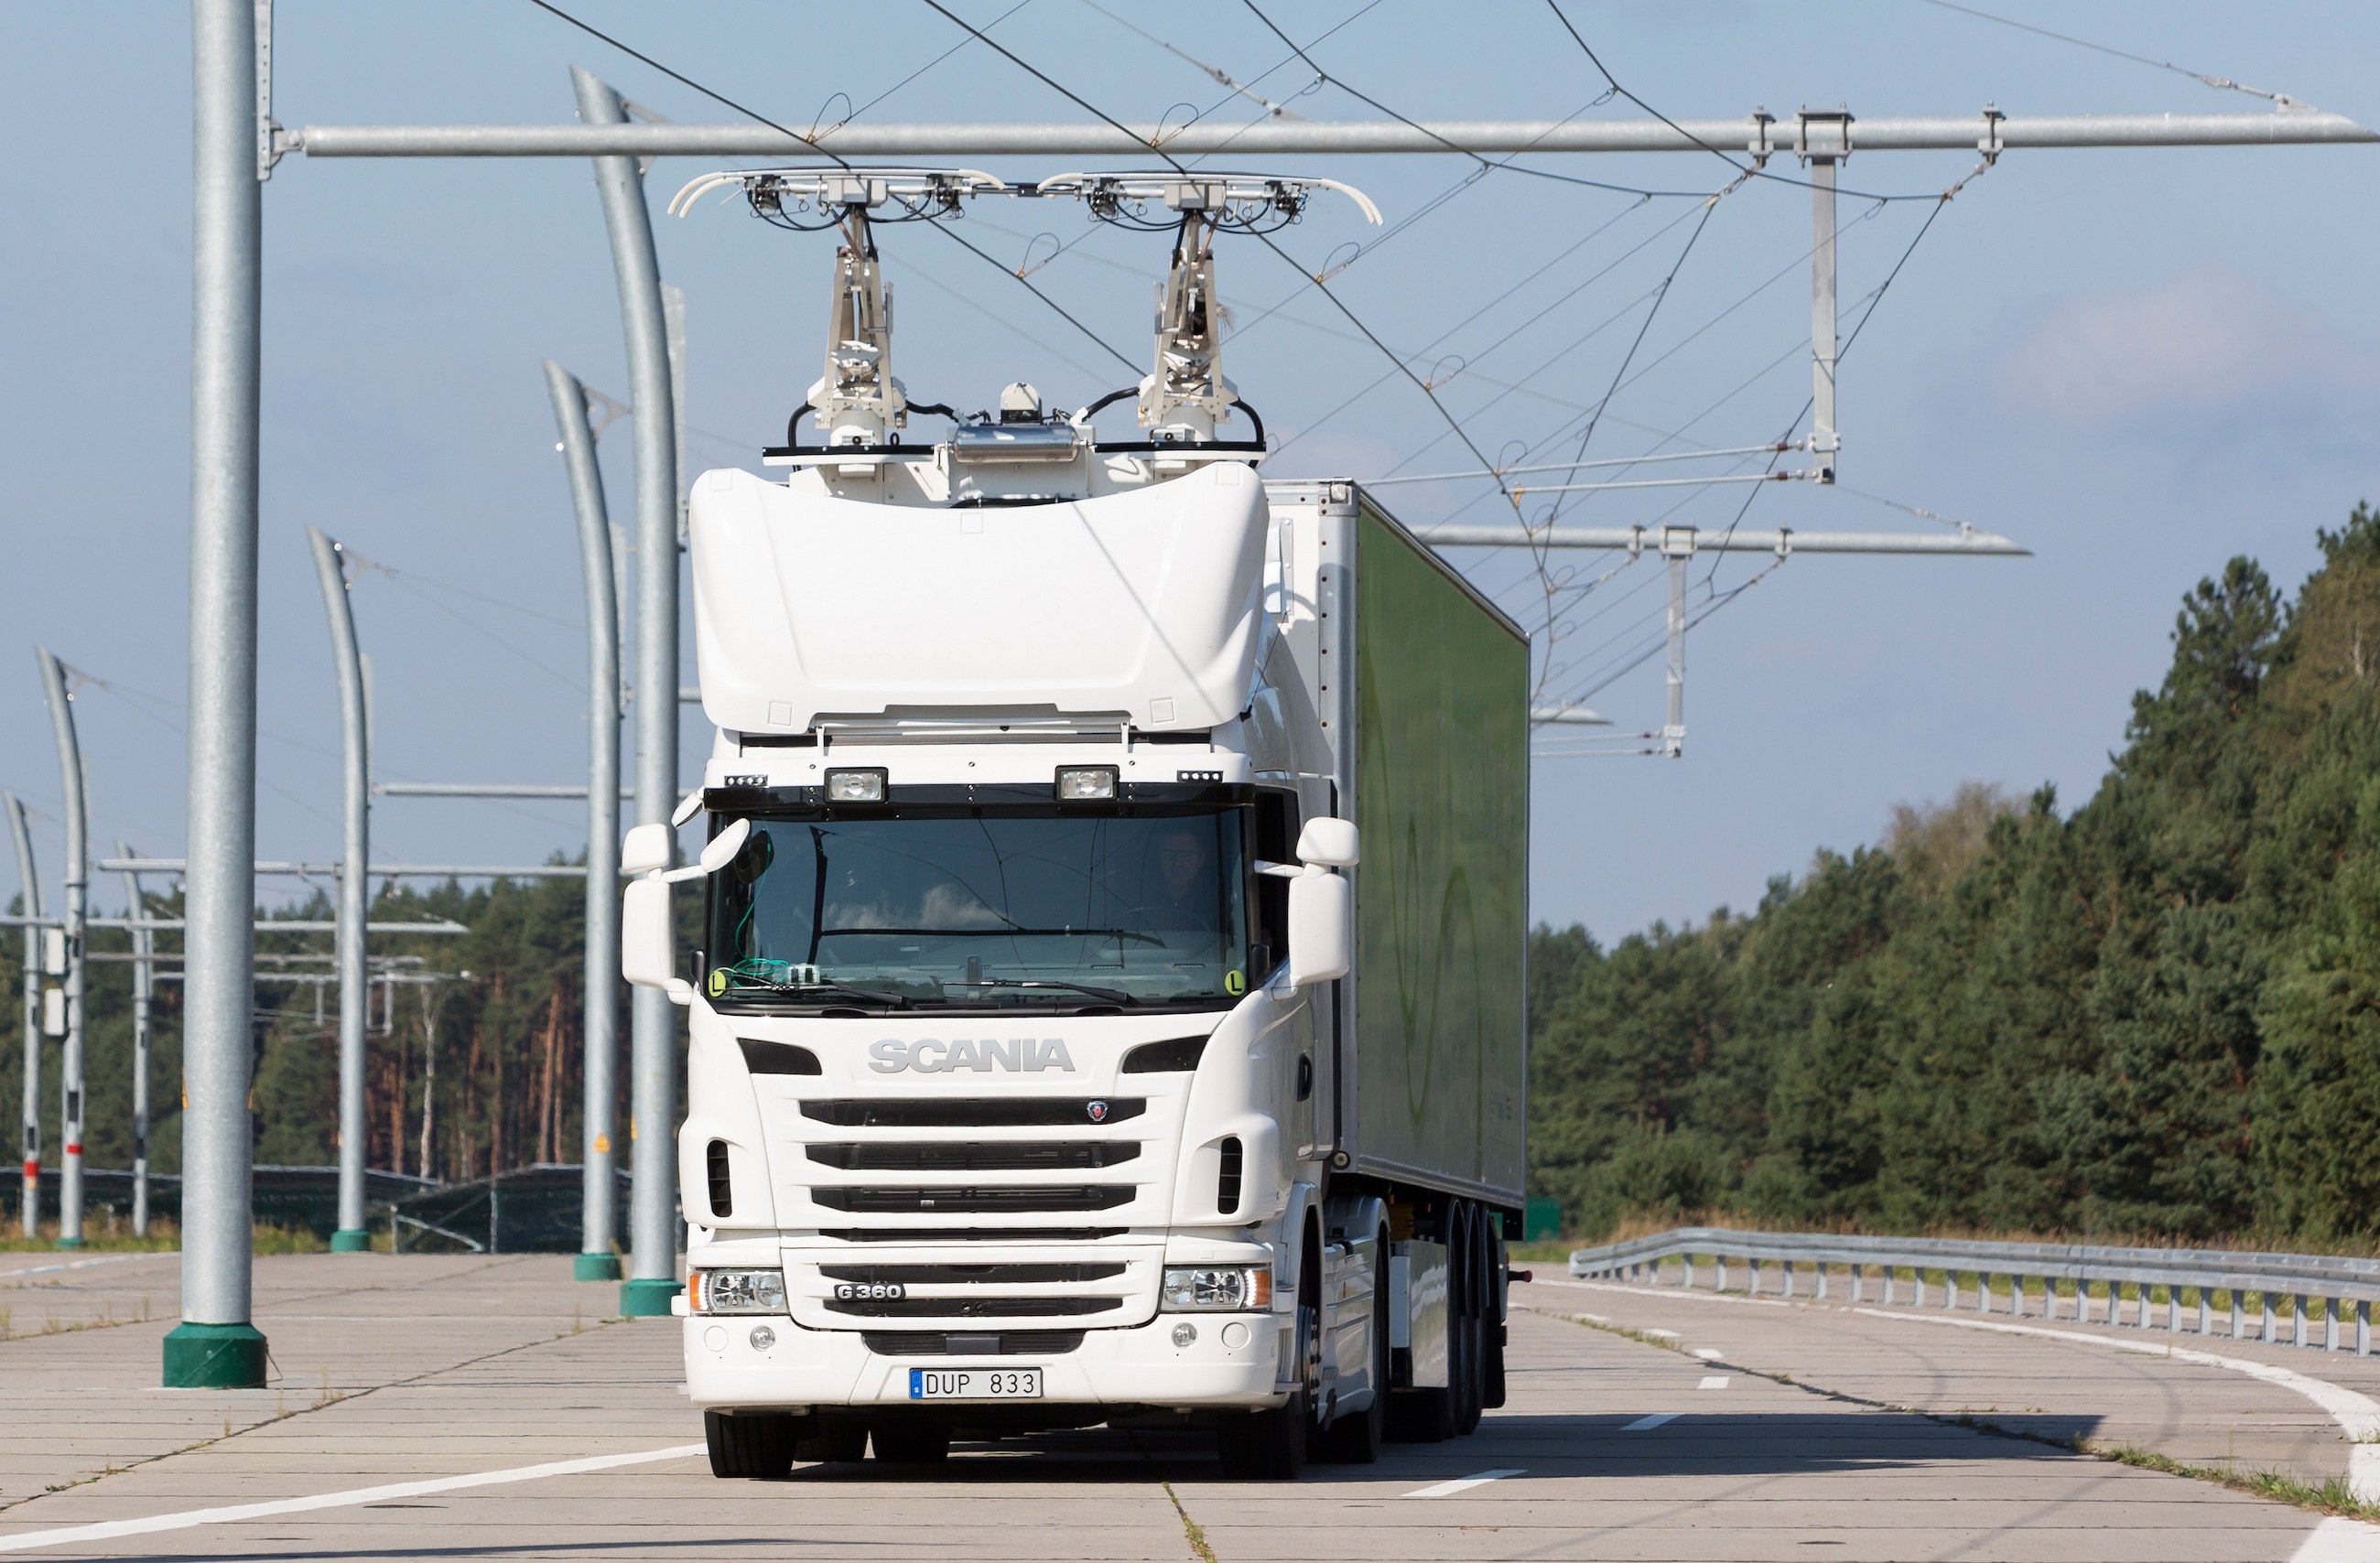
(1087, 784)
(855, 786)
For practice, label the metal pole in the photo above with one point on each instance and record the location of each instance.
(354, 884)
(1752, 136)
(652, 1123)
(77, 883)
(1673, 735)
(30, 1208)
(144, 950)
(1825, 440)
(216, 1345)
(599, 1194)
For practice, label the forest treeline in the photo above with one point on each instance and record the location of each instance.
(474, 1054)
(2158, 1014)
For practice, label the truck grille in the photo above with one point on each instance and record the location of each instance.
(1032, 1307)
(971, 1234)
(974, 1156)
(992, 1112)
(969, 1274)
(945, 1198)
(936, 1343)
(980, 1210)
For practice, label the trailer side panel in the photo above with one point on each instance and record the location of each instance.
(1441, 800)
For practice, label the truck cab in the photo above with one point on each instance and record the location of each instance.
(1023, 1082)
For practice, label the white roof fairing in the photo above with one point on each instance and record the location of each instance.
(1143, 605)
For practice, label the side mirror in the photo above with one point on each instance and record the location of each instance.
(1320, 924)
(646, 849)
(647, 947)
(1327, 843)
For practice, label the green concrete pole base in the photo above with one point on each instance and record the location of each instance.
(70, 1242)
(351, 1240)
(646, 1298)
(214, 1357)
(596, 1268)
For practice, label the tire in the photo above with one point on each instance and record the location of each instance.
(1498, 1329)
(1355, 1440)
(908, 1442)
(1467, 1372)
(750, 1447)
(831, 1440)
(1494, 1398)
(1273, 1445)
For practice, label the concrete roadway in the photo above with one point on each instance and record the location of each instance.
(404, 1379)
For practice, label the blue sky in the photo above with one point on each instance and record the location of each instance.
(2137, 362)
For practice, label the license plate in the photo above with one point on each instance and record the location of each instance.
(974, 1384)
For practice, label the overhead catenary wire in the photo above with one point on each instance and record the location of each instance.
(1265, 238)
(2222, 83)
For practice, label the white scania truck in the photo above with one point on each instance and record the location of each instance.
(1108, 1007)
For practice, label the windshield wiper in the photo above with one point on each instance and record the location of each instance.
(893, 1000)
(1105, 995)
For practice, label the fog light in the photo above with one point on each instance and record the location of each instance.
(1087, 784)
(855, 786)
(763, 1337)
(1185, 1336)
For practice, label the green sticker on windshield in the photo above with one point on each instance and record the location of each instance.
(1235, 982)
(718, 983)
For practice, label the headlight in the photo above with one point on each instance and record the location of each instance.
(1198, 1288)
(855, 786)
(736, 1291)
(1087, 784)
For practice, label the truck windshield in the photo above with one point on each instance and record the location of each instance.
(983, 910)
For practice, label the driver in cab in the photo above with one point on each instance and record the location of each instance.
(1184, 896)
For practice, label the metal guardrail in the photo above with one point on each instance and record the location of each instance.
(2341, 1290)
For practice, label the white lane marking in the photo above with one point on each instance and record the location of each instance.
(2358, 1415)
(1716, 1381)
(76, 1265)
(1646, 1424)
(2339, 1541)
(1666, 1292)
(1710, 1353)
(107, 1530)
(1464, 1484)
(1662, 1334)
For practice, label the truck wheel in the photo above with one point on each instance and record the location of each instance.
(912, 1443)
(1270, 1446)
(759, 1446)
(830, 1439)
(1355, 1440)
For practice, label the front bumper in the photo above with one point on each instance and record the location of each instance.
(1135, 1366)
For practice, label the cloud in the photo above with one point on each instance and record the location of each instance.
(2211, 345)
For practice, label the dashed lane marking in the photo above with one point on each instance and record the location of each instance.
(1464, 1483)
(1646, 1424)
(1709, 1353)
(107, 1530)
(1716, 1381)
